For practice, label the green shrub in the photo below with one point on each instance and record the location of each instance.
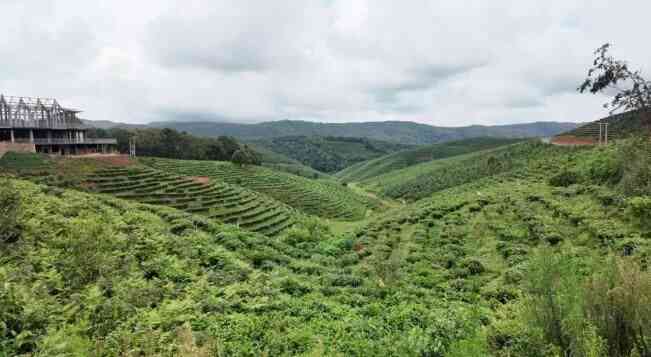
(564, 179)
(618, 304)
(473, 266)
(9, 207)
(640, 208)
(635, 157)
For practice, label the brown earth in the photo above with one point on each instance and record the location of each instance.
(572, 140)
(201, 179)
(112, 160)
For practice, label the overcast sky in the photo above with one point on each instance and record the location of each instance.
(446, 63)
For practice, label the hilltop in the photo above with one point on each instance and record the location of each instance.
(408, 133)
(620, 126)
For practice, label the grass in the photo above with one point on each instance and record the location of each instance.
(402, 159)
(321, 198)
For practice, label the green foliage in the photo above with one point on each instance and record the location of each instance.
(641, 209)
(494, 262)
(401, 132)
(328, 153)
(170, 143)
(9, 209)
(298, 170)
(635, 158)
(422, 180)
(554, 301)
(216, 200)
(406, 158)
(564, 179)
(322, 198)
(618, 305)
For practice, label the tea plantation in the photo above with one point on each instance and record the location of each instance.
(402, 159)
(320, 198)
(544, 252)
(217, 200)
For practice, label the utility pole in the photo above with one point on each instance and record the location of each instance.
(603, 133)
(132, 146)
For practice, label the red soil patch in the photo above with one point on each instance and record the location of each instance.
(572, 140)
(115, 160)
(201, 179)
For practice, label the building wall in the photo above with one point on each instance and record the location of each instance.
(17, 147)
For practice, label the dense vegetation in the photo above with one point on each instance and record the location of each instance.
(408, 133)
(406, 158)
(170, 143)
(420, 181)
(299, 170)
(329, 154)
(322, 198)
(510, 264)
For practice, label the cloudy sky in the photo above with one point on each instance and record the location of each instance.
(447, 63)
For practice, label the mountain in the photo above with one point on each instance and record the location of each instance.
(107, 124)
(409, 133)
(329, 154)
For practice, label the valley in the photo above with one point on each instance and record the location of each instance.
(416, 257)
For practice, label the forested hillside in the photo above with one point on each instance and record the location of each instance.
(329, 154)
(170, 143)
(406, 158)
(408, 133)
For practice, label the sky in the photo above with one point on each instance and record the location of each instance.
(443, 63)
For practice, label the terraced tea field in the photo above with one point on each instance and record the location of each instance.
(217, 200)
(320, 198)
(402, 159)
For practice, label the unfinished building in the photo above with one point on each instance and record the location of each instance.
(42, 125)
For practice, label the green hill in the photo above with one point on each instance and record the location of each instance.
(329, 154)
(408, 133)
(299, 170)
(620, 126)
(422, 180)
(405, 158)
(480, 268)
(215, 199)
(322, 198)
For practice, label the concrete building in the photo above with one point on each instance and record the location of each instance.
(42, 125)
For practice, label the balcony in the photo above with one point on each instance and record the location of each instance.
(56, 141)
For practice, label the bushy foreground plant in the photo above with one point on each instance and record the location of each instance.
(574, 309)
(9, 206)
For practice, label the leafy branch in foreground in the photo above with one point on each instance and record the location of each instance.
(632, 91)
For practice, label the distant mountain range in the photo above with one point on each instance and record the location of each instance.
(401, 132)
(408, 133)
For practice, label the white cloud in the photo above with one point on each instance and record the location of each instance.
(436, 62)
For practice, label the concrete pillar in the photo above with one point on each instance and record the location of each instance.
(12, 136)
(31, 135)
(49, 136)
